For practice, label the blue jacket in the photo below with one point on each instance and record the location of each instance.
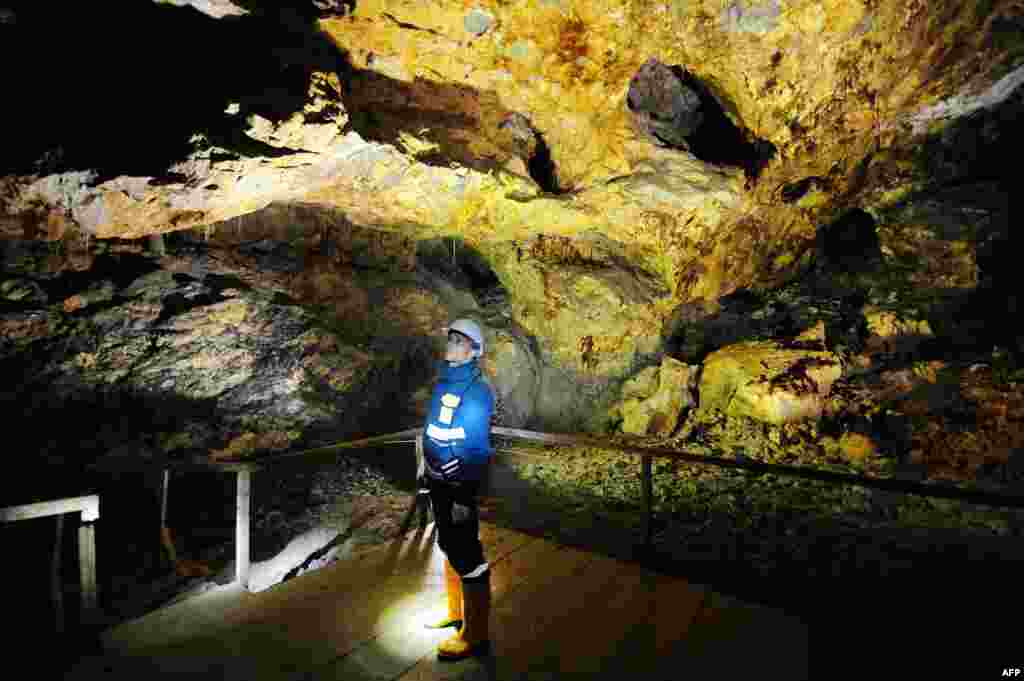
(456, 440)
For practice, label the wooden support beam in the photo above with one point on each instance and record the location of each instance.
(163, 497)
(57, 588)
(242, 528)
(332, 450)
(87, 570)
(88, 505)
(166, 540)
(421, 500)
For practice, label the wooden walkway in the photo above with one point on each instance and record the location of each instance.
(557, 613)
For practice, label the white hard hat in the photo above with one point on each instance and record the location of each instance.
(470, 329)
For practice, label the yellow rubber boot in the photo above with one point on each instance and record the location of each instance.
(453, 587)
(474, 636)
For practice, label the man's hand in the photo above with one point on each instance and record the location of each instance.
(460, 513)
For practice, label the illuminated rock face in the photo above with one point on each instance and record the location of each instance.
(824, 84)
(654, 400)
(767, 383)
(514, 127)
(186, 361)
(322, 151)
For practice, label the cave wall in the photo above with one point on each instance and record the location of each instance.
(507, 127)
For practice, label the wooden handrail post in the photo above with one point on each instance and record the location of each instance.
(648, 493)
(421, 500)
(163, 497)
(166, 540)
(55, 582)
(242, 528)
(87, 569)
(89, 508)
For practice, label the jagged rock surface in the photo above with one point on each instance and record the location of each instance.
(335, 153)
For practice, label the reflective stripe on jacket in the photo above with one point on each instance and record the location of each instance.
(456, 442)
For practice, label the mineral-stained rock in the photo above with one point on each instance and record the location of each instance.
(515, 376)
(214, 8)
(235, 371)
(750, 17)
(315, 127)
(846, 92)
(857, 446)
(519, 134)
(763, 381)
(868, 105)
(22, 291)
(478, 22)
(664, 106)
(643, 385)
(654, 408)
(891, 331)
(19, 328)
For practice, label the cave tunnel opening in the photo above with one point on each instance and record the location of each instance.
(462, 266)
(529, 144)
(678, 111)
(720, 142)
(542, 168)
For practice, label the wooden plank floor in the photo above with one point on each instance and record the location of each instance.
(557, 613)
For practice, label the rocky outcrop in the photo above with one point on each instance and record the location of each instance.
(603, 186)
(508, 127)
(217, 9)
(515, 375)
(664, 106)
(653, 401)
(213, 182)
(372, 130)
(767, 382)
(185, 364)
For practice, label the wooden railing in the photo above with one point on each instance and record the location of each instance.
(245, 469)
(243, 493)
(648, 454)
(89, 508)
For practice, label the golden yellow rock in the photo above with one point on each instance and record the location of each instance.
(848, 90)
(659, 411)
(814, 333)
(857, 447)
(643, 385)
(890, 331)
(767, 383)
(73, 303)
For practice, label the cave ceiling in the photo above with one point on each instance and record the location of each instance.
(515, 127)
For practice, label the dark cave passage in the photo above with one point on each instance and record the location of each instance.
(679, 111)
(461, 266)
(136, 95)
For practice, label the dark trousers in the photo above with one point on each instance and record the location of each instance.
(460, 541)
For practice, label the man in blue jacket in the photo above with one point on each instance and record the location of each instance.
(456, 452)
